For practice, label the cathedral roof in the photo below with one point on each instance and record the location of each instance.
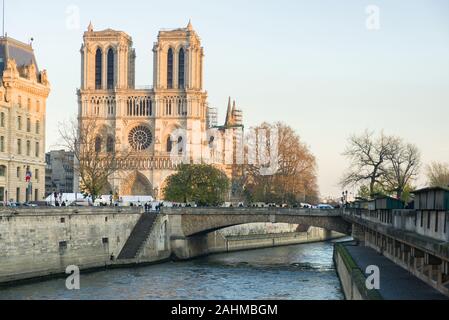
(22, 53)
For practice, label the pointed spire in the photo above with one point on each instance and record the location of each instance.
(233, 108)
(189, 26)
(229, 115)
(90, 28)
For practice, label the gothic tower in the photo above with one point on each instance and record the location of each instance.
(108, 60)
(178, 88)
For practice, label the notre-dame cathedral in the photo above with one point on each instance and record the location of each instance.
(152, 122)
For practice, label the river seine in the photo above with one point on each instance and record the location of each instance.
(302, 272)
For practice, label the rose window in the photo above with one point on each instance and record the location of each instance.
(140, 138)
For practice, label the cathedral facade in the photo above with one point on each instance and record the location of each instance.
(159, 125)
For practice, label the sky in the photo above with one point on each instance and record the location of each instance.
(327, 68)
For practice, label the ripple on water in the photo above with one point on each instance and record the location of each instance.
(288, 273)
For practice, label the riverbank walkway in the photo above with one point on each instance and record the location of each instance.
(396, 283)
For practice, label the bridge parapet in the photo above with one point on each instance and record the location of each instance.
(253, 211)
(428, 223)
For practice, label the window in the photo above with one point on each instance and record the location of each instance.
(19, 101)
(110, 69)
(18, 194)
(62, 247)
(36, 175)
(38, 127)
(110, 146)
(38, 106)
(2, 144)
(436, 221)
(29, 104)
(428, 219)
(170, 69)
(98, 144)
(2, 120)
(28, 148)
(169, 144)
(19, 146)
(111, 108)
(181, 75)
(97, 108)
(168, 108)
(36, 194)
(422, 218)
(28, 125)
(19, 123)
(18, 172)
(37, 150)
(98, 69)
(2, 171)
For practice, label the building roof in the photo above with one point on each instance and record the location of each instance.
(381, 196)
(22, 53)
(430, 189)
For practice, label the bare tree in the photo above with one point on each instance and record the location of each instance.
(404, 163)
(368, 156)
(295, 177)
(438, 174)
(96, 157)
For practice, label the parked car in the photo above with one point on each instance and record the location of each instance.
(30, 205)
(325, 207)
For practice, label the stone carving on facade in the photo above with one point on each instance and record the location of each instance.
(44, 78)
(31, 72)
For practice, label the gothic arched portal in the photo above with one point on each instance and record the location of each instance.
(136, 184)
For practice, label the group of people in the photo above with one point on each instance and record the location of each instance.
(59, 202)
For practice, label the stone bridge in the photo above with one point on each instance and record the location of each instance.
(188, 227)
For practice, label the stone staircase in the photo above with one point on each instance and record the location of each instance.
(138, 236)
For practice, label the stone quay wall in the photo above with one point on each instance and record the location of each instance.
(42, 242)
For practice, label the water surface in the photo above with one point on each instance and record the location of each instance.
(302, 272)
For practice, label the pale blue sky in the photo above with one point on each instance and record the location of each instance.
(311, 64)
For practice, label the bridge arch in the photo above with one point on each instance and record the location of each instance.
(190, 226)
(195, 222)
